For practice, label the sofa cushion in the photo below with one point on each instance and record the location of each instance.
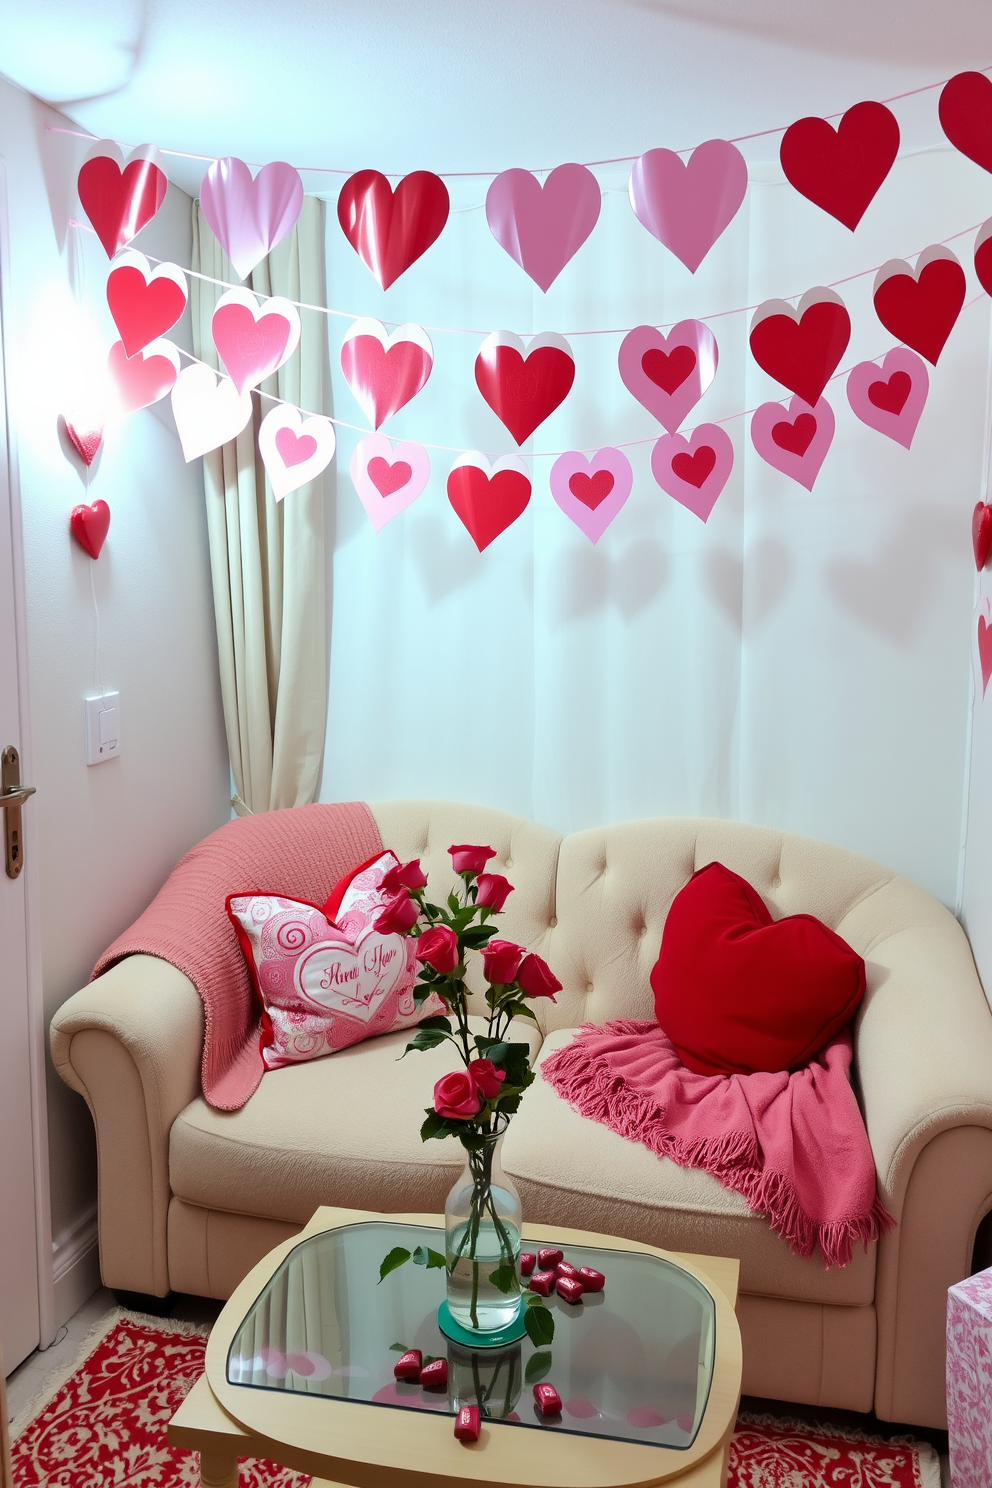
(574, 1171)
(343, 1130)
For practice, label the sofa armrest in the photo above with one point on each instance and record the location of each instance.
(130, 1044)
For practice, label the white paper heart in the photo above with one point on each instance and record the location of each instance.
(208, 410)
(293, 449)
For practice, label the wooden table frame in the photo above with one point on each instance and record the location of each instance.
(412, 1449)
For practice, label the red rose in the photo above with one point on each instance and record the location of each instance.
(500, 960)
(438, 947)
(456, 1095)
(487, 1077)
(404, 876)
(469, 859)
(399, 914)
(536, 978)
(494, 890)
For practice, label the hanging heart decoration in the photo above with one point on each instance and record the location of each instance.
(488, 498)
(294, 449)
(983, 256)
(388, 229)
(669, 374)
(695, 470)
(523, 388)
(890, 398)
(841, 170)
(253, 340)
(687, 204)
(983, 636)
(89, 525)
(388, 477)
(145, 377)
(540, 226)
(85, 433)
(920, 306)
(144, 302)
(801, 348)
(385, 371)
(795, 442)
(120, 198)
(249, 217)
(981, 534)
(590, 491)
(208, 410)
(965, 112)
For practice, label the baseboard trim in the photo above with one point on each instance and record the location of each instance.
(76, 1266)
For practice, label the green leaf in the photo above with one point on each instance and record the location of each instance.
(532, 1299)
(432, 1259)
(396, 1257)
(484, 1043)
(538, 1366)
(476, 936)
(397, 1348)
(442, 1023)
(497, 1052)
(434, 1126)
(540, 1325)
(454, 903)
(504, 1278)
(426, 1038)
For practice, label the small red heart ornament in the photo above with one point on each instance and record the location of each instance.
(802, 350)
(486, 504)
(965, 112)
(797, 436)
(120, 199)
(89, 526)
(86, 439)
(920, 309)
(387, 477)
(981, 534)
(388, 229)
(841, 169)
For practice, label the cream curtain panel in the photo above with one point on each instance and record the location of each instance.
(267, 558)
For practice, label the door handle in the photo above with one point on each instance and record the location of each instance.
(12, 797)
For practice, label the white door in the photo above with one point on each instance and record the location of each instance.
(22, 1166)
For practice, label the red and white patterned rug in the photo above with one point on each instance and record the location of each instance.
(105, 1427)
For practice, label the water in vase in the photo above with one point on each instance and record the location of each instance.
(475, 1300)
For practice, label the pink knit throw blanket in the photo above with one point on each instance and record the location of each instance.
(793, 1145)
(300, 852)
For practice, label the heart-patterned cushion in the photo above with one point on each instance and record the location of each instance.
(325, 977)
(737, 991)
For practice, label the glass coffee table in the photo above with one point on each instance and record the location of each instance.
(299, 1369)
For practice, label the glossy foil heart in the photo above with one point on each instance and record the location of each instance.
(801, 348)
(687, 204)
(543, 226)
(488, 498)
(385, 371)
(523, 388)
(248, 217)
(120, 198)
(841, 169)
(388, 229)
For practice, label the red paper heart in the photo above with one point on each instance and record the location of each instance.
(388, 478)
(90, 525)
(797, 436)
(891, 395)
(390, 229)
(965, 112)
(803, 354)
(142, 311)
(386, 380)
(591, 490)
(921, 311)
(983, 264)
(140, 380)
(118, 202)
(668, 369)
(841, 170)
(985, 651)
(294, 448)
(85, 441)
(524, 391)
(487, 505)
(694, 468)
(981, 534)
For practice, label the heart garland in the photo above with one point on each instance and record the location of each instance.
(669, 374)
(841, 170)
(294, 450)
(801, 348)
(523, 388)
(388, 229)
(694, 471)
(388, 477)
(144, 302)
(253, 340)
(687, 204)
(486, 498)
(590, 491)
(795, 442)
(965, 113)
(120, 198)
(385, 371)
(920, 306)
(144, 378)
(249, 217)
(89, 525)
(890, 399)
(540, 226)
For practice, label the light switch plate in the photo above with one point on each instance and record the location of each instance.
(103, 727)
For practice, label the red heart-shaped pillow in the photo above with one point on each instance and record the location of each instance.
(737, 991)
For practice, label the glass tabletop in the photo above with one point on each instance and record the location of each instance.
(633, 1362)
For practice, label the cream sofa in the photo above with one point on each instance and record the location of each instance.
(190, 1198)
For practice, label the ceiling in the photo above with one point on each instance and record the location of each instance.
(469, 84)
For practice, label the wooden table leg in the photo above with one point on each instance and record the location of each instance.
(218, 1468)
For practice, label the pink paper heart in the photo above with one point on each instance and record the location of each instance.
(542, 227)
(253, 340)
(687, 204)
(383, 505)
(695, 470)
(249, 217)
(874, 394)
(794, 441)
(589, 502)
(669, 374)
(294, 449)
(983, 637)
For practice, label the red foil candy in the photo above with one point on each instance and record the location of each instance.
(409, 1365)
(548, 1400)
(527, 1258)
(565, 1268)
(593, 1281)
(568, 1288)
(543, 1282)
(434, 1376)
(548, 1259)
(468, 1423)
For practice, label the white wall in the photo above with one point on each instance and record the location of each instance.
(104, 837)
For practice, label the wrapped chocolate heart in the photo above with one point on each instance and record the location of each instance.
(566, 1269)
(547, 1400)
(409, 1365)
(569, 1288)
(527, 1258)
(592, 1280)
(548, 1258)
(434, 1376)
(543, 1283)
(468, 1424)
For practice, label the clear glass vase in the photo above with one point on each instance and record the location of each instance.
(482, 1242)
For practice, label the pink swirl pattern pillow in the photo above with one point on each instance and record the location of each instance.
(326, 979)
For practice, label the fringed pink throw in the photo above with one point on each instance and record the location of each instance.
(793, 1144)
(300, 852)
